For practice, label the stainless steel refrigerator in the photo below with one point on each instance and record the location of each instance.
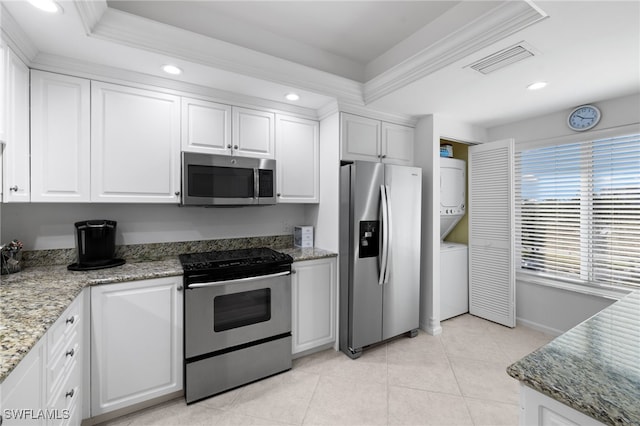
(380, 216)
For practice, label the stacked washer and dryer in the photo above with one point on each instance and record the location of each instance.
(454, 287)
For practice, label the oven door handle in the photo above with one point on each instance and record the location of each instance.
(239, 280)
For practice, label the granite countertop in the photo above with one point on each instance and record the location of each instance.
(32, 300)
(311, 253)
(593, 368)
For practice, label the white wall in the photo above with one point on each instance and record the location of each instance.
(429, 130)
(615, 112)
(542, 307)
(50, 226)
(554, 310)
(324, 216)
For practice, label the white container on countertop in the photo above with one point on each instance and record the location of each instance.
(303, 236)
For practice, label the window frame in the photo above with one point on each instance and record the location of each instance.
(585, 284)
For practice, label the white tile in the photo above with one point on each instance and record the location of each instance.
(418, 407)
(492, 413)
(338, 401)
(284, 397)
(485, 380)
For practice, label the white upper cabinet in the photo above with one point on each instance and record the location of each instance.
(3, 83)
(397, 144)
(135, 145)
(374, 140)
(253, 133)
(60, 138)
(297, 160)
(206, 127)
(15, 157)
(360, 138)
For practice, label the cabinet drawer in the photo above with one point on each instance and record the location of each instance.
(60, 362)
(65, 401)
(59, 333)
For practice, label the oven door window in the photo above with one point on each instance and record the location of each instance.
(241, 309)
(220, 182)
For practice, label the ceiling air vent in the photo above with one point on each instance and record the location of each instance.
(502, 58)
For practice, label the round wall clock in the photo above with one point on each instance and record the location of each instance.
(583, 118)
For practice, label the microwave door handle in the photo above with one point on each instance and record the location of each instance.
(256, 184)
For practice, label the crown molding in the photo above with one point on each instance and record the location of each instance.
(495, 25)
(134, 31)
(16, 38)
(402, 119)
(90, 12)
(83, 69)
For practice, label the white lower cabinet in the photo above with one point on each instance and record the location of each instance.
(314, 304)
(136, 342)
(24, 389)
(537, 409)
(47, 386)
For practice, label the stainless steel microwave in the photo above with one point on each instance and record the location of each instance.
(220, 180)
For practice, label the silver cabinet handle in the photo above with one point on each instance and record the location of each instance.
(70, 320)
(70, 393)
(177, 193)
(14, 188)
(229, 146)
(70, 352)
(179, 288)
(235, 147)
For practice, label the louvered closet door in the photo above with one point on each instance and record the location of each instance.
(491, 244)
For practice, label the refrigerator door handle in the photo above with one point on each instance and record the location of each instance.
(385, 234)
(387, 269)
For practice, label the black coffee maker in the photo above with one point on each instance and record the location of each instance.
(95, 245)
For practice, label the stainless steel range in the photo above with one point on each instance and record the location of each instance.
(237, 318)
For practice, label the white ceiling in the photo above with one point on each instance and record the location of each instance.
(394, 56)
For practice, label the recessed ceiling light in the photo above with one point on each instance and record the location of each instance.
(537, 85)
(171, 69)
(292, 96)
(47, 5)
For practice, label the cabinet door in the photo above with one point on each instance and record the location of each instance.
(297, 160)
(60, 138)
(16, 151)
(23, 391)
(3, 106)
(314, 304)
(135, 145)
(360, 138)
(206, 127)
(253, 133)
(397, 144)
(136, 342)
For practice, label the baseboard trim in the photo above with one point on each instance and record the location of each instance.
(131, 409)
(538, 327)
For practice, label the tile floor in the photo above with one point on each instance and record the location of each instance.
(456, 378)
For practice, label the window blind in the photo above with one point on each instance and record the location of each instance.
(578, 211)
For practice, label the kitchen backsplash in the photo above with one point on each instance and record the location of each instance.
(158, 251)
